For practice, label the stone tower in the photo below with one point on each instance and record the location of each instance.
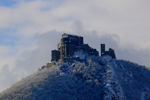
(102, 49)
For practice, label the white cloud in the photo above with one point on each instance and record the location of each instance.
(129, 19)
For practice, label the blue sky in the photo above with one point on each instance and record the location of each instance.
(5, 37)
(8, 39)
(29, 29)
(7, 3)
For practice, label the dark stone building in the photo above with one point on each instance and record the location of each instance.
(70, 44)
(55, 54)
(111, 52)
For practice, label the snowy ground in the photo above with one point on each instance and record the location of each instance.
(101, 78)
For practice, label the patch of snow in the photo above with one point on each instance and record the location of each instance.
(79, 54)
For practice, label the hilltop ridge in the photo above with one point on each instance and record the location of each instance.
(101, 78)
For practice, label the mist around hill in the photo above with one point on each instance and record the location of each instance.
(98, 78)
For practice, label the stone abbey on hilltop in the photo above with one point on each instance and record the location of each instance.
(70, 44)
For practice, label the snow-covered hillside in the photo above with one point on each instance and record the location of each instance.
(100, 78)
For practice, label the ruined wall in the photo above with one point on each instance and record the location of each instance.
(50, 64)
(111, 52)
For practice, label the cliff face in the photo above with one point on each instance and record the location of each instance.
(100, 78)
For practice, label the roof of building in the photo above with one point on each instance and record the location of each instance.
(71, 35)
